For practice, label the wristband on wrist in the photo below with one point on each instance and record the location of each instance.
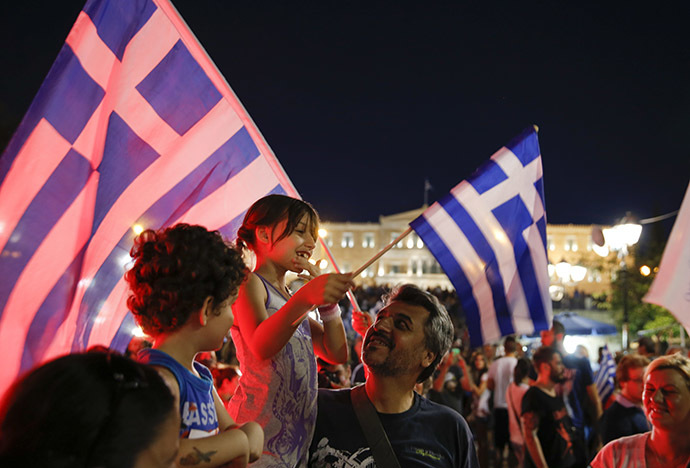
(329, 312)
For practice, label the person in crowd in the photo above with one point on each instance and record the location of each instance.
(625, 415)
(580, 394)
(183, 283)
(451, 382)
(500, 375)
(410, 336)
(666, 401)
(333, 375)
(276, 340)
(546, 426)
(480, 412)
(92, 409)
(646, 347)
(514, 393)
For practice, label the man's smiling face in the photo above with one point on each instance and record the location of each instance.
(396, 344)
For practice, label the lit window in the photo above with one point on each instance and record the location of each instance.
(394, 235)
(420, 243)
(368, 240)
(549, 243)
(348, 240)
(571, 244)
(410, 242)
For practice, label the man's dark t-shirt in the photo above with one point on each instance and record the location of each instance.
(554, 428)
(426, 435)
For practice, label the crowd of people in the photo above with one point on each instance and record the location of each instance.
(241, 368)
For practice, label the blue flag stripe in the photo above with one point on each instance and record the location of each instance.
(525, 146)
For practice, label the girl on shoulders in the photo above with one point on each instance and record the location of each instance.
(276, 340)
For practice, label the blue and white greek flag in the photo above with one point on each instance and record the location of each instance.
(606, 375)
(489, 236)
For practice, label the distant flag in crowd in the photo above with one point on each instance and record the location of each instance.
(489, 236)
(133, 128)
(606, 375)
(671, 287)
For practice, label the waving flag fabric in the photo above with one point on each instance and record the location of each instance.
(133, 126)
(489, 236)
(671, 288)
(606, 376)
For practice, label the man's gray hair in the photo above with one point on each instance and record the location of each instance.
(438, 329)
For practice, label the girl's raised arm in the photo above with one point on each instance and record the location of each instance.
(265, 335)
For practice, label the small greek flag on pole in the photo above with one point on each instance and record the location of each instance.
(489, 236)
(605, 379)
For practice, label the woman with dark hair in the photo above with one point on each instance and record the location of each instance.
(666, 400)
(94, 409)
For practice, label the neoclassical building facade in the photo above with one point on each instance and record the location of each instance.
(577, 264)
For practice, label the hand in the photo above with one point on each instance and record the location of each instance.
(325, 289)
(361, 321)
(305, 269)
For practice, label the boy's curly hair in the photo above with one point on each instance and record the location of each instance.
(175, 270)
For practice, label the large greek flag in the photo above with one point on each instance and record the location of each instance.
(133, 127)
(489, 236)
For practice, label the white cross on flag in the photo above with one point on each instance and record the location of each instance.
(489, 236)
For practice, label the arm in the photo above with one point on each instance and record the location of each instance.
(329, 339)
(253, 431)
(466, 380)
(530, 425)
(266, 335)
(229, 446)
(490, 382)
(442, 371)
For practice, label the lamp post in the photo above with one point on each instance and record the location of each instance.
(619, 238)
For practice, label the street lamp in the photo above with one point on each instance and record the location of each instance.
(619, 238)
(567, 274)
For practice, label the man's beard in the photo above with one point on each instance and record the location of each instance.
(558, 378)
(394, 364)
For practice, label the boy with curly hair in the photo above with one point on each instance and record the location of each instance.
(183, 284)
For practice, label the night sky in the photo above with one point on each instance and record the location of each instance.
(361, 101)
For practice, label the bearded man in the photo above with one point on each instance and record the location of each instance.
(410, 336)
(546, 426)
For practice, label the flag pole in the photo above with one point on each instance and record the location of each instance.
(383, 251)
(329, 254)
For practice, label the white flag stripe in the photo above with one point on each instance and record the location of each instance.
(671, 287)
(539, 257)
(472, 266)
